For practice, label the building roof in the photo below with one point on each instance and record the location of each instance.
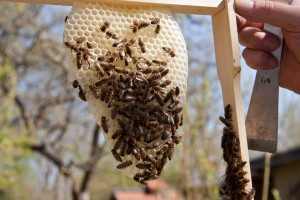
(277, 159)
(155, 190)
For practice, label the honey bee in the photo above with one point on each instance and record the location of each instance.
(176, 120)
(108, 96)
(113, 57)
(101, 58)
(144, 165)
(142, 45)
(143, 154)
(124, 164)
(169, 51)
(118, 143)
(102, 81)
(107, 65)
(119, 42)
(116, 155)
(181, 120)
(66, 18)
(104, 90)
(117, 133)
(176, 139)
(155, 20)
(122, 53)
(165, 83)
(104, 26)
(122, 70)
(128, 51)
(169, 95)
(121, 85)
(135, 154)
(99, 70)
(152, 145)
(135, 26)
(72, 47)
(89, 45)
(86, 59)
(81, 94)
(170, 152)
(131, 42)
(137, 63)
(104, 124)
(164, 73)
(129, 98)
(112, 102)
(177, 91)
(75, 84)
(127, 59)
(124, 149)
(177, 110)
(85, 51)
(159, 62)
(122, 94)
(157, 29)
(94, 91)
(173, 104)
(162, 149)
(225, 122)
(147, 71)
(165, 135)
(154, 137)
(155, 83)
(143, 24)
(111, 35)
(139, 177)
(146, 61)
(227, 111)
(159, 99)
(151, 159)
(80, 39)
(154, 77)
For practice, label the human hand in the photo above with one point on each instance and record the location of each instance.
(250, 18)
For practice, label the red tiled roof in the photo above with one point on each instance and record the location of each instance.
(159, 191)
(134, 195)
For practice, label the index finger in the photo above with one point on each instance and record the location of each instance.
(242, 23)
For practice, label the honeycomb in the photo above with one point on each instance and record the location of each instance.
(96, 34)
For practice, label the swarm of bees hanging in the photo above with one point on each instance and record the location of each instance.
(234, 178)
(143, 102)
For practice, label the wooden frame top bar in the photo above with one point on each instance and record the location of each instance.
(202, 7)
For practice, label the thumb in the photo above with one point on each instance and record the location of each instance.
(265, 11)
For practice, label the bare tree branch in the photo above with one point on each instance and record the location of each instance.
(25, 116)
(94, 157)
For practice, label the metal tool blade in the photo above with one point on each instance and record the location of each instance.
(262, 117)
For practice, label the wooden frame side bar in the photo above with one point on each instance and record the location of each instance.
(229, 67)
(203, 7)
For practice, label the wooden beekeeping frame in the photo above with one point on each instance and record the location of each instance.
(226, 48)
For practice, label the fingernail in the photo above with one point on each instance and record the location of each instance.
(271, 43)
(243, 5)
(273, 62)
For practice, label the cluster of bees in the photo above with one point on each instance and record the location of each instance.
(235, 181)
(140, 97)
